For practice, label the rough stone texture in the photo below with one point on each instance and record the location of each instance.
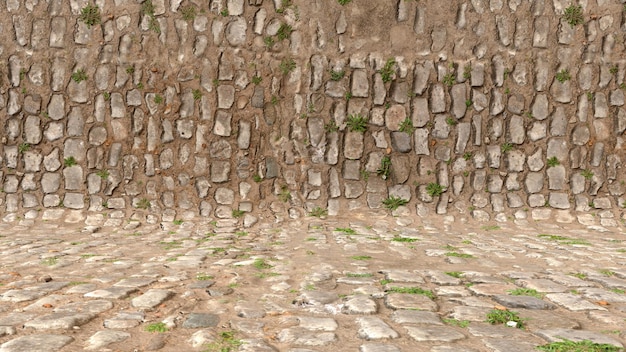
(254, 93)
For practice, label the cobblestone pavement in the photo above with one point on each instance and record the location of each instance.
(369, 283)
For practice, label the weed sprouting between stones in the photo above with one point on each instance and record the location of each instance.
(393, 202)
(357, 123)
(496, 316)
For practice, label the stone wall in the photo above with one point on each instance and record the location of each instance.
(232, 109)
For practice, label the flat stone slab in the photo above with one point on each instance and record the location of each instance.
(104, 338)
(556, 335)
(93, 307)
(572, 302)
(134, 282)
(495, 331)
(318, 324)
(410, 301)
(599, 294)
(404, 276)
(373, 328)
(201, 320)
(548, 319)
(433, 333)
(59, 321)
(112, 293)
(527, 302)
(318, 297)
(507, 345)
(151, 298)
(300, 336)
(360, 305)
(470, 313)
(415, 317)
(542, 285)
(378, 347)
(36, 343)
(490, 289)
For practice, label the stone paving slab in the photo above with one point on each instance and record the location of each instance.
(294, 295)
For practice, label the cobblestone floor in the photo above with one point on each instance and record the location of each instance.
(372, 282)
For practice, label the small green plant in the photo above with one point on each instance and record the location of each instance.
(189, 13)
(459, 255)
(364, 175)
(606, 272)
(69, 161)
(348, 96)
(274, 100)
(587, 174)
(337, 75)
(103, 174)
(526, 292)
(130, 70)
(613, 70)
(257, 178)
(238, 213)
(553, 161)
(388, 70)
(203, 277)
(287, 65)
(318, 212)
(285, 4)
(467, 156)
(268, 41)
(256, 80)
(79, 75)
(507, 91)
(343, 2)
(22, 73)
(346, 230)
(581, 276)
(284, 31)
(434, 189)
(455, 322)
(50, 261)
(404, 239)
(578, 346)
(359, 275)
(590, 96)
(490, 227)
(393, 202)
(456, 274)
(361, 257)
(177, 222)
(573, 15)
(496, 316)
(284, 194)
(23, 147)
(563, 75)
(197, 94)
(158, 99)
(261, 264)
(224, 12)
(451, 121)
(106, 96)
(143, 203)
(449, 79)
(140, 85)
(412, 291)
(407, 126)
(468, 103)
(357, 123)
(156, 327)
(331, 126)
(467, 71)
(506, 147)
(385, 167)
(90, 15)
